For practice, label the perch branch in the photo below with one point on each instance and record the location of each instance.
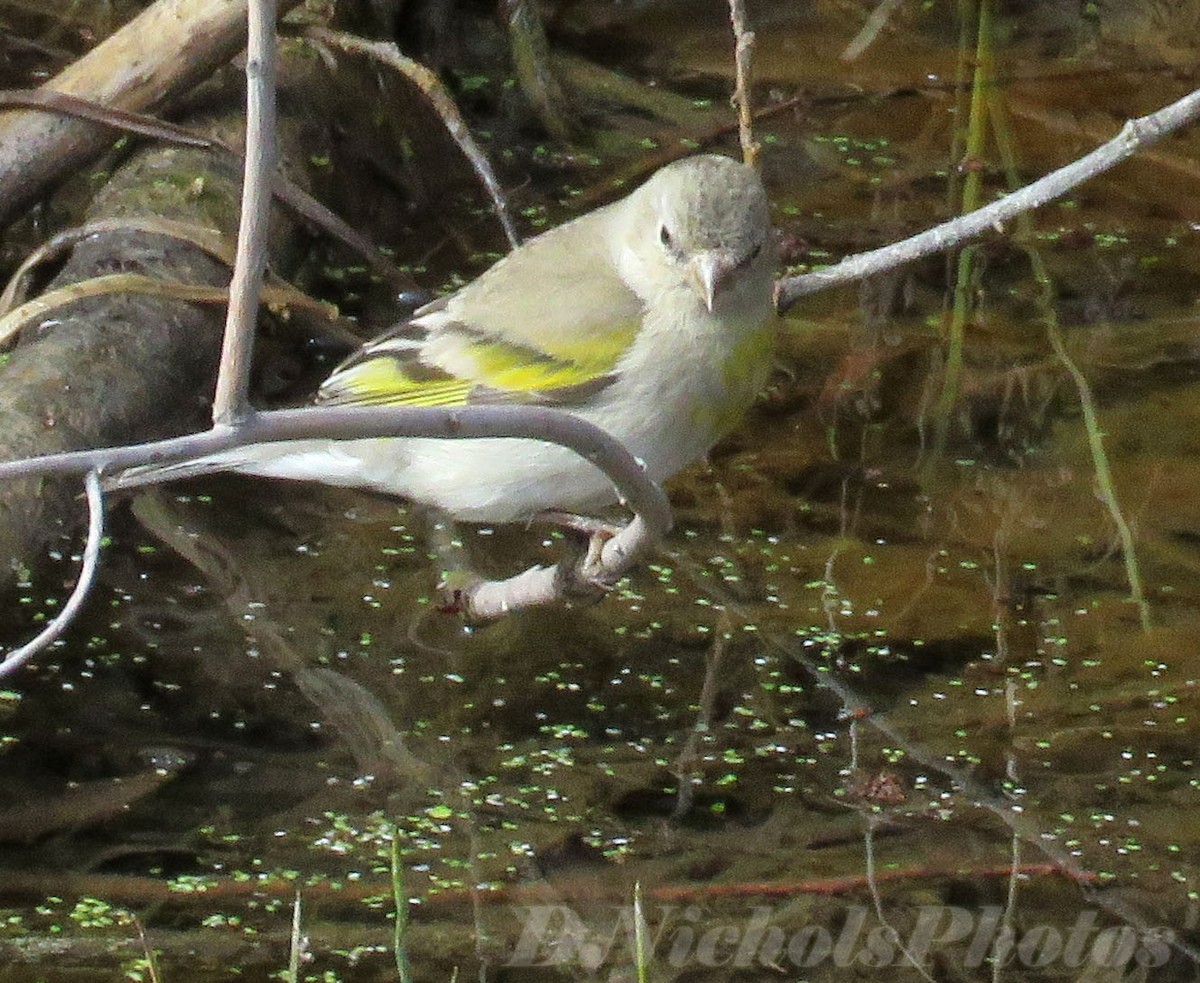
(487, 599)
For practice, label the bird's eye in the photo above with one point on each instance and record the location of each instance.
(750, 257)
(664, 236)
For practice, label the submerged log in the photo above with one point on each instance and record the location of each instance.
(115, 367)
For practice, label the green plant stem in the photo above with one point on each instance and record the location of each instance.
(967, 15)
(971, 162)
(297, 943)
(640, 935)
(1091, 420)
(400, 902)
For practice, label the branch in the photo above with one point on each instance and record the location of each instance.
(231, 400)
(87, 575)
(870, 30)
(284, 189)
(743, 55)
(163, 52)
(1134, 135)
(486, 599)
(430, 86)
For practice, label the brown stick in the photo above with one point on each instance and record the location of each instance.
(162, 52)
(743, 59)
(431, 87)
(287, 191)
(127, 890)
(231, 401)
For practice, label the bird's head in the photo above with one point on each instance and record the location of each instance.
(704, 222)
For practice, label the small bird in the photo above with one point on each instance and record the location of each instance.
(650, 317)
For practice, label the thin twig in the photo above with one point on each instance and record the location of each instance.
(166, 50)
(1134, 135)
(231, 401)
(430, 86)
(87, 575)
(77, 107)
(870, 30)
(743, 58)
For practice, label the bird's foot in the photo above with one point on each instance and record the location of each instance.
(587, 525)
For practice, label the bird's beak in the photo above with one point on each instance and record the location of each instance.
(710, 274)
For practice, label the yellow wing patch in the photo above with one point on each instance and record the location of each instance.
(387, 381)
(595, 351)
(516, 370)
(391, 372)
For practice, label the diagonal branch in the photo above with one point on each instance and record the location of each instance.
(1134, 135)
(431, 87)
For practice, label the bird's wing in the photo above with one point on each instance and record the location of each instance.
(396, 370)
(544, 325)
(389, 371)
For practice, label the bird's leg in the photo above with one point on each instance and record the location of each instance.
(597, 532)
(581, 531)
(587, 525)
(457, 577)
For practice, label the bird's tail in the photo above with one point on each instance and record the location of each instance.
(350, 464)
(154, 474)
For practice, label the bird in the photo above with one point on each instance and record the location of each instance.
(651, 317)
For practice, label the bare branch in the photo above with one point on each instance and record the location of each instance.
(431, 87)
(1134, 135)
(125, 120)
(743, 55)
(87, 575)
(870, 30)
(231, 401)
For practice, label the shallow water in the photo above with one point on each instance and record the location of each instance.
(892, 640)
